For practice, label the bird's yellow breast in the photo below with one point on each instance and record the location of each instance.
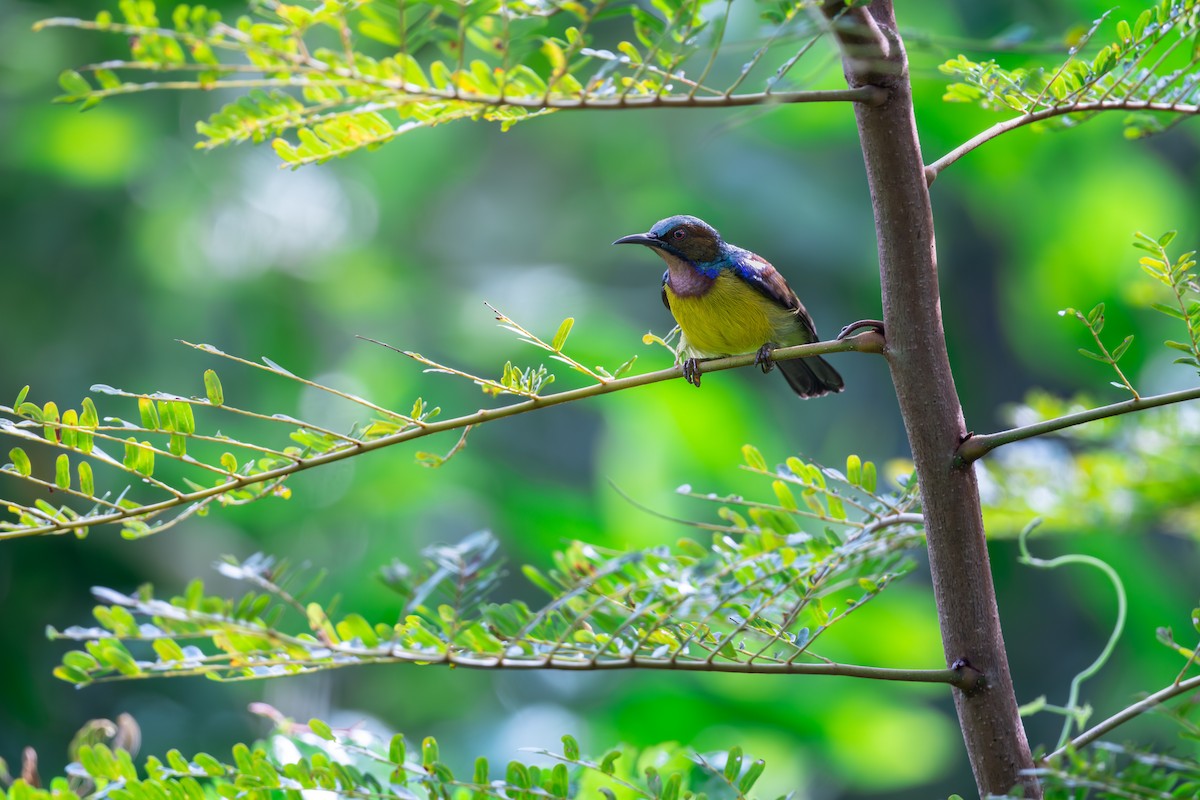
(730, 318)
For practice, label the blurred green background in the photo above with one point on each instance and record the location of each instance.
(116, 238)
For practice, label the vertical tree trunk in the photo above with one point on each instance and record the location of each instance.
(916, 351)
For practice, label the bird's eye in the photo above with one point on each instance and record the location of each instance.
(678, 233)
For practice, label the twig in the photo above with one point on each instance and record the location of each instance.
(935, 169)
(1135, 710)
(976, 447)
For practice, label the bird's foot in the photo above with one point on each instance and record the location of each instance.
(763, 357)
(854, 327)
(691, 371)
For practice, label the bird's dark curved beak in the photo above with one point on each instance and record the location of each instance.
(648, 239)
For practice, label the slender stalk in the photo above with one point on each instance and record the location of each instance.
(934, 169)
(1135, 710)
(976, 447)
(869, 342)
(929, 403)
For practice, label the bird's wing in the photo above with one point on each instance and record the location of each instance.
(666, 274)
(759, 273)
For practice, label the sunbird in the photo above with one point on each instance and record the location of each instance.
(728, 301)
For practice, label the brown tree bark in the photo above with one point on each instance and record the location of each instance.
(916, 351)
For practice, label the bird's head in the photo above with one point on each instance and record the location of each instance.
(688, 238)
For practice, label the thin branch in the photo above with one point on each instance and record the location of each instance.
(1188, 664)
(934, 169)
(704, 526)
(204, 403)
(870, 95)
(275, 369)
(712, 59)
(869, 342)
(825, 24)
(976, 447)
(1135, 710)
(54, 487)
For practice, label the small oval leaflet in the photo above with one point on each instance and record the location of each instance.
(212, 388)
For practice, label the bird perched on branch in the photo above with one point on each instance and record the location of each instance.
(729, 301)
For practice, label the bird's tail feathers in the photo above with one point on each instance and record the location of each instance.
(811, 377)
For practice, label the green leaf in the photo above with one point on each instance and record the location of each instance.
(69, 674)
(625, 367)
(429, 752)
(837, 509)
(753, 772)
(30, 410)
(1180, 346)
(570, 748)
(1083, 351)
(148, 413)
(80, 660)
(733, 763)
(869, 477)
(70, 421)
(178, 762)
(62, 471)
(107, 78)
(89, 418)
(321, 729)
(379, 32)
(785, 496)
(754, 458)
(354, 626)
(139, 457)
(168, 650)
(517, 775)
(1170, 311)
(21, 461)
(854, 470)
(166, 416)
(87, 483)
(21, 395)
(1121, 348)
(210, 765)
(50, 418)
(1169, 236)
(212, 387)
(670, 790)
(397, 750)
(608, 763)
(185, 421)
(73, 83)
